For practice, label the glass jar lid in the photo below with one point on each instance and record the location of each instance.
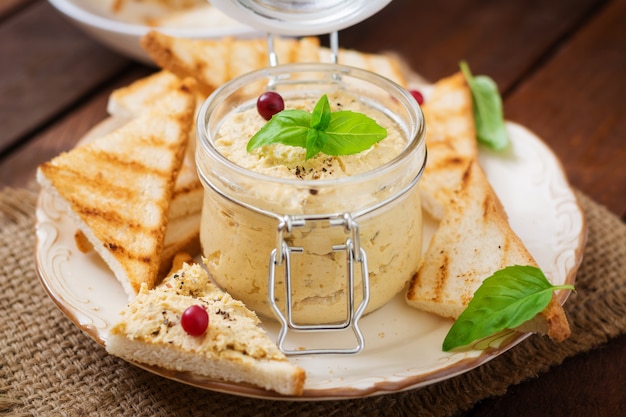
(300, 17)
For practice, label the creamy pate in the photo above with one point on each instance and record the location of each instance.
(289, 161)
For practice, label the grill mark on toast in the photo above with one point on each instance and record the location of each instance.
(441, 279)
(123, 199)
(99, 179)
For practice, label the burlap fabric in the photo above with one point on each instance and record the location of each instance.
(48, 367)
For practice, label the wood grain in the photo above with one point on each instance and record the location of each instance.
(589, 384)
(63, 133)
(47, 66)
(503, 39)
(10, 6)
(575, 102)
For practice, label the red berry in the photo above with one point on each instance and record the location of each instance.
(195, 320)
(417, 96)
(269, 103)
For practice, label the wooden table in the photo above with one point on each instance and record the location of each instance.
(560, 65)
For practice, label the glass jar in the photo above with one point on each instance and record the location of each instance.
(250, 216)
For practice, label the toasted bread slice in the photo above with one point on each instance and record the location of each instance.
(188, 190)
(443, 175)
(118, 187)
(133, 100)
(473, 241)
(182, 235)
(450, 140)
(449, 116)
(233, 348)
(203, 15)
(166, 5)
(214, 62)
(386, 65)
(184, 211)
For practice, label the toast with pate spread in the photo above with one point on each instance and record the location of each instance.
(473, 241)
(118, 187)
(214, 62)
(232, 348)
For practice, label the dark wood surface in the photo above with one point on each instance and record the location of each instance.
(560, 65)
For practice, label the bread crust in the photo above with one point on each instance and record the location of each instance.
(214, 62)
(474, 238)
(233, 348)
(118, 187)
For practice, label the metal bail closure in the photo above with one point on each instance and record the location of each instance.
(281, 255)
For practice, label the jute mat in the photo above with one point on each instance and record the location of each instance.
(48, 367)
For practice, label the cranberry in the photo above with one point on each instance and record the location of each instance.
(417, 96)
(195, 320)
(269, 103)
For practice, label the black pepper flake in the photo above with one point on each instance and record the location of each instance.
(313, 191)
(223, 313)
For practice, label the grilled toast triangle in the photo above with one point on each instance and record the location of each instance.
(473, 241)
(450, 140)
(214, 62)
(118, 187)
(134, 99)
(385, 64)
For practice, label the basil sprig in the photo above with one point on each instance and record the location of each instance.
(334, 133)
(505, 300)
(487, 107)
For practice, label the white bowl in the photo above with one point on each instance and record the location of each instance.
(122, 32)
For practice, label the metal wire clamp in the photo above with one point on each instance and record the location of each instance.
(281, 255)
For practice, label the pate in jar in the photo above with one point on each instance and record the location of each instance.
(273, 200)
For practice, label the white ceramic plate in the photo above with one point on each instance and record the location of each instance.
(403, 345)
(121, 31)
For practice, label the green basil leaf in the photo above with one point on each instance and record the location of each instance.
(289, 127)
(321, 114)
(333, 133)
(314, 142)
(487, 108)
(505, 300)
(350, 132)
